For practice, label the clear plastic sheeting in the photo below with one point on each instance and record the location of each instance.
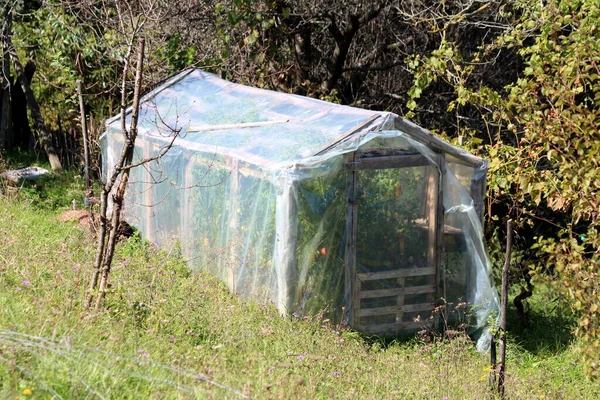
(316, 207)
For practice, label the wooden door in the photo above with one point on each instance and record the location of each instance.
(392, 256)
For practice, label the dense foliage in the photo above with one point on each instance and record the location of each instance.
(515, 81)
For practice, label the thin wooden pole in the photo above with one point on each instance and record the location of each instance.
(89, 191)
(503, 305)
(119, 196)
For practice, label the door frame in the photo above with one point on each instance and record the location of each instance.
(374, 159)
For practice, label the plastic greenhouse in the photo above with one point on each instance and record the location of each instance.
(316, 207)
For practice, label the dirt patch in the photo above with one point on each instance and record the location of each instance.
(82, 217)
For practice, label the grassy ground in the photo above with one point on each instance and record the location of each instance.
(169, 333)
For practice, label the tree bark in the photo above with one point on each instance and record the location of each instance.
(35, 109)
(5, 101)
(122, 169)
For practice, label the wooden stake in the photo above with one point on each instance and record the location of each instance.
(89, 191)
(125, 161)
(503, 305)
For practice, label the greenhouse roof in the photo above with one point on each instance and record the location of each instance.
(259, 126)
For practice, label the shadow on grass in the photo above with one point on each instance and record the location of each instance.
(546, 333)
(17, 158)
(51, 192)
(549, 331)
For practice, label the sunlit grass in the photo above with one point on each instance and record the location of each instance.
(170, 333)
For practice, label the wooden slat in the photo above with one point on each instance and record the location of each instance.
(440, 230)
(371, 294)
(385, 151)
(385, 162)
(396, 273)
(205, 128)
(367, 312)
(387, 329)
(352, 285)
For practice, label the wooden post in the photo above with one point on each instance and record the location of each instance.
(234, 193)
(352, 285)
(147, 183)
(493, 362)
(503, 305)
(286, 263)
(478, 192)
(89, 191)
(435, 205)
(5, 101)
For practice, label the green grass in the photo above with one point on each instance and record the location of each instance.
(167, 333)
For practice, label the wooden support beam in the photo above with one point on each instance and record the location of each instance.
(440, 229)
(352, 285)
(234, 204)
(435, 143)
(394, 328)
(357, 128)
(387, 162)
(286, 227)
(406, 308)
(371, 294)
(396, 273)
(204, 128)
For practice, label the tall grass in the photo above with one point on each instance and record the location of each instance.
(169, 333)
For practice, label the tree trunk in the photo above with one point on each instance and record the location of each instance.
(123, 169)
(5, 100)
(35, 110)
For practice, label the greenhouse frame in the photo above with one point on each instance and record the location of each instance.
(317, 207)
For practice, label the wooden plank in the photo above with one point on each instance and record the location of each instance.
(396, 273)
(203, 128)
(432, 213)
(350, 247)
(400, 301)
(148, 193)
(286, 233)
(385, 151)
(448, 230)
(395, 328)
(347, 134)
(367, 312)
(387, 162)
(372, 294)
(234, 204)
(440, 228)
